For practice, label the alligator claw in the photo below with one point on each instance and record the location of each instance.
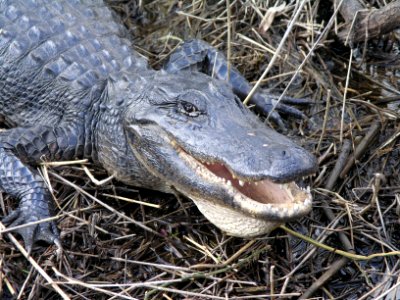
(277, 119)
(292, 111)
(296, 101)
(46, 231)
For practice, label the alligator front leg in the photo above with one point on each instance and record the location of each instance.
(21, 148)
(201, 56)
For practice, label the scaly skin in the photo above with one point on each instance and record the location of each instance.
(72, 87)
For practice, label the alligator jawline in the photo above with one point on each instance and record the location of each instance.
(263, 191)
(261, 199)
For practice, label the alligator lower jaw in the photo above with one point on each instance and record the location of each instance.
(254, 207)
(234, 222)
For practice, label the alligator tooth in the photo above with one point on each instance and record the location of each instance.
(255, 182)
(229, 183)
(308, 189)
(241, 183)
(290, 194)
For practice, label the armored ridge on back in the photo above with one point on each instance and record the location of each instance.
(72, 87)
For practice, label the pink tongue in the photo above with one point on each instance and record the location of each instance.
(264, 192)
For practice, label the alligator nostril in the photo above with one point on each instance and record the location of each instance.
(283, 153)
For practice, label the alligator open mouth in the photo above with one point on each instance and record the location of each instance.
(263, 191)
(253, 207)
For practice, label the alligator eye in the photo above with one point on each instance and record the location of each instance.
(189, 109)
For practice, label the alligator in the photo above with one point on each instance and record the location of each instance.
(72, 87)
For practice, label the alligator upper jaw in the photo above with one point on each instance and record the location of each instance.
(252, 207)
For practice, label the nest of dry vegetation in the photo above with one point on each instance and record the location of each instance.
(117, 249)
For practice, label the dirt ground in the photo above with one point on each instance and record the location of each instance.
(115, 248)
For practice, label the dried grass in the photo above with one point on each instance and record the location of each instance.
(116, 249)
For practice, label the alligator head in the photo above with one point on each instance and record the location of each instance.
(192, 132)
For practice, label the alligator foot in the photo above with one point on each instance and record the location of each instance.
(22, 148)
(295, 101)
(46, 231)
